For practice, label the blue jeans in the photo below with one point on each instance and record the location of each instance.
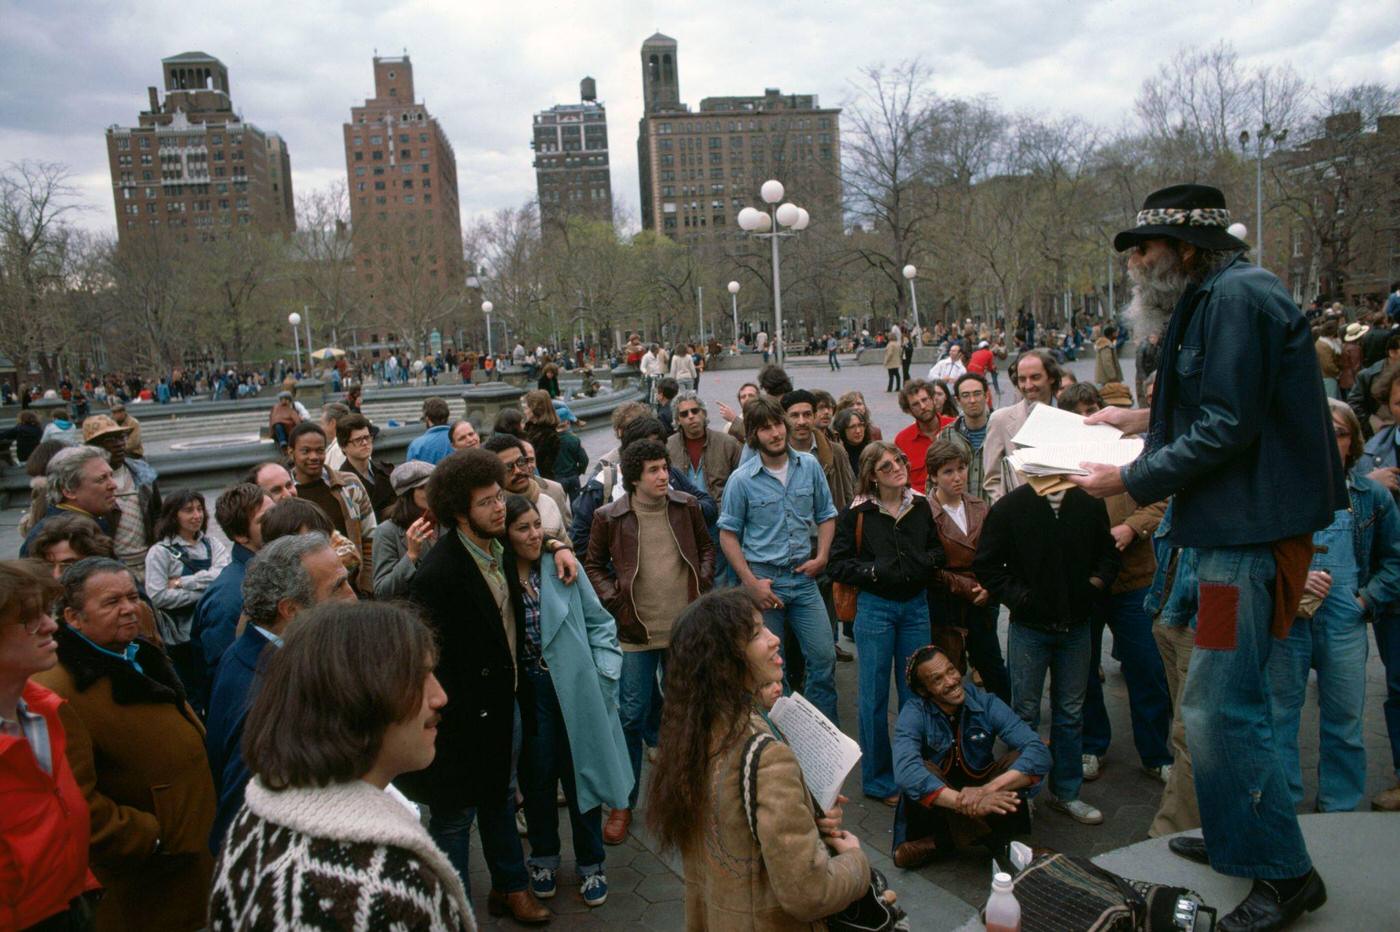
(505, 858)
(804, 611)
(887, 634)
(1388, 645)
(1149, 699)
(545, 761)
(1247, 813)
(1032, 652)
(638, 693)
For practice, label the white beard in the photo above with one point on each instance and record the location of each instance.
(1155, 293)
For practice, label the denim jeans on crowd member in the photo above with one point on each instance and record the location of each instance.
(546, 761)
(1388, 645)
(1032, 652)
(1247, 814)
(1333, 642)
(1149, 700)
(636, 695)
(887, 634)
(500, 842)
(805, 613)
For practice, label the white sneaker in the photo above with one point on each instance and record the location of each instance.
(1091, 767)
(1162, 773)
(1078, 810)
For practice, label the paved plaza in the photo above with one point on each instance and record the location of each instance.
(646, 890)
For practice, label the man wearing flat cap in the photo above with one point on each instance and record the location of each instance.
(1238, 424)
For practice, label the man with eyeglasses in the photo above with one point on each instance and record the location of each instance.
(357, 442)
(707, 457)
(970, 429)
(521, 480)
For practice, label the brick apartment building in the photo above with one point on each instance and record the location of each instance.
(191, 167)
(697, 169)
(571, 159)
(402, 182)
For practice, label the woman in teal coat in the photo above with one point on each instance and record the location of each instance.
(570, 664)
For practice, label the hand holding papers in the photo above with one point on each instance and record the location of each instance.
(825, 754)
(1053, 444)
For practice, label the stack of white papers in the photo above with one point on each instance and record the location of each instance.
(1054, 442)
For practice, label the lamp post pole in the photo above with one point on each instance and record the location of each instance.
(734, 309)
(486, 308)
(295, 320)
(765, 226)
(910, 273)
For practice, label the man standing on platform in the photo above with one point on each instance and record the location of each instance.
(1238, 425)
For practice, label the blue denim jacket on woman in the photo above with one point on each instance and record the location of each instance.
(1376, 528)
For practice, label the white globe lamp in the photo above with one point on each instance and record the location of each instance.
(772, 191)
(294, 319)
(733, 287)
(910, 271)
(487, 307)
(1237, 230)
(748, 219)
(803, 218)
(763, 224)
(788, 215)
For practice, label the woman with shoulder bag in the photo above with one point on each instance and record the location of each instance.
(791, 868)
(887, 547)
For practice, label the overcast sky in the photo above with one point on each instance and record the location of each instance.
(68, 70)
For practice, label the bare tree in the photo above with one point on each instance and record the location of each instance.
(323, 258)
(37, 200)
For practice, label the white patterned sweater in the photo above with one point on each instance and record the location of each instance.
(347, 856)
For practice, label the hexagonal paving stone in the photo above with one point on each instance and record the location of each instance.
(660, 888)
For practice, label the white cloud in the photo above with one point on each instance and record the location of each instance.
(68, 70)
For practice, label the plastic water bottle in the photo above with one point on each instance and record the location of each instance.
(1003, 912)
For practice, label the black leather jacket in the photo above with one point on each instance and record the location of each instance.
(1240, 430)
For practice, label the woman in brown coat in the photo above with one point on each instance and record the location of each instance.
(137, 751)
(793, 868)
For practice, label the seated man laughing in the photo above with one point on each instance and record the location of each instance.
(953, 790)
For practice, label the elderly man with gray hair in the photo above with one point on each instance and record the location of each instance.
(79, 481)
(288, 576)
(705, 456)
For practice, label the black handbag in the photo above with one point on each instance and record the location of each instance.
(872, 912)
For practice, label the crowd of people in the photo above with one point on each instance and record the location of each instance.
(297, 723)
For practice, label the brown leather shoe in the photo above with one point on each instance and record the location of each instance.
(914, 854)
(522, 906)
(615, 831)
(1389, 801)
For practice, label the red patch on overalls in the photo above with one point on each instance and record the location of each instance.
(1216, 620)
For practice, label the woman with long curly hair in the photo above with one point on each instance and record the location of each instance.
(795, 865)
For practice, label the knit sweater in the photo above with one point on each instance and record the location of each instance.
(346, 856)
(660, 576)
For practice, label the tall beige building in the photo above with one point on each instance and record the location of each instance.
(402, 174)
(571, 159)
(697, 169)
(191, 167)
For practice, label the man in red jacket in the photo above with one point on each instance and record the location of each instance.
(43, 867)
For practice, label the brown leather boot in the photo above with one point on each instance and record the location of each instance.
(522, 906)
(615, 831)
(914, 854)
(1388, 801)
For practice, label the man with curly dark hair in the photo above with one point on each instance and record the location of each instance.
(461, 588)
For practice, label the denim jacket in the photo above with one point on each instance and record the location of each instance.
(1171, 599)
(922, 733)
(1376, 527)
(1239, 421)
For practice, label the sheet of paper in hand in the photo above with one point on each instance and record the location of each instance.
(825, 753)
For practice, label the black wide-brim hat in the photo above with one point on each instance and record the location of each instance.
(1192, 213)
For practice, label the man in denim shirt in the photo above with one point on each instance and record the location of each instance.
(772, 503)
(953, 789)
(1239, 424)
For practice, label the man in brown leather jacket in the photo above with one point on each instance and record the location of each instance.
(643, 594)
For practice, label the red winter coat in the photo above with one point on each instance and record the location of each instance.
(43, 825)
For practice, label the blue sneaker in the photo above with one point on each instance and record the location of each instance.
(595, 889)
(542, 883)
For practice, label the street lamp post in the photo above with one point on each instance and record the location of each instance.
(909, 274)
(1264, 137)
(486, 308)
(765, 226)
(734, 308)
(295, 320)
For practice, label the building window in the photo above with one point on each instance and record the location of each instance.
(375, 140)
(359, 156)
(408, 198)
(422, 137)
(360, 172)
(376, 156)
(428, 199)
(424, 167)
(422, 153)
(379, 186)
